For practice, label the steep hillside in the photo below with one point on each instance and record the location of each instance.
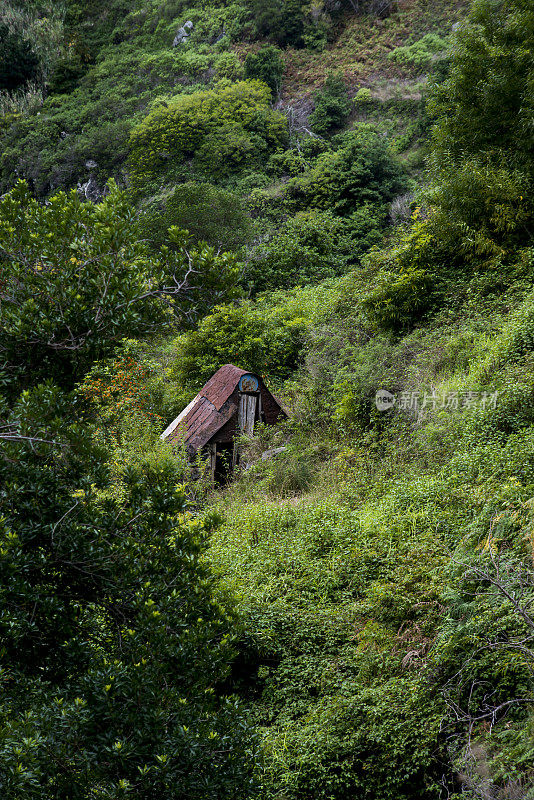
(336, 196)
(106, 64)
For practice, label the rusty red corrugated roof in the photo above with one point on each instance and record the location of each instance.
(205, 415)
(221, 385)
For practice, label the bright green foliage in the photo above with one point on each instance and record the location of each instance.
(210, 214)
(365, 641)
(360, 171)
(328, 592)
(304, 251)
(406, 288)
(261, 339)
(332, 105)
(112, 639)
(484, 210)
(226, 128)
(229, 66)
(421, 53)
(311, 246)
(486, 104)
(73, 274)
(266, 65)
(77, 278)
(478, 228)
(401, 299)
(18, 62)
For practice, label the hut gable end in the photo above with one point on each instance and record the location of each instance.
(213, 414)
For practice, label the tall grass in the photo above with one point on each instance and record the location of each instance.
(27, 100)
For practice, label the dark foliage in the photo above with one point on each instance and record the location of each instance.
(332, 105)
(280, 20)
(18, 63)
(266, 65)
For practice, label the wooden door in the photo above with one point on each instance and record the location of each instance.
(247, 413)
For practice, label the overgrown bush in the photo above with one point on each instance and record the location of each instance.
(280, 20)
(225, 128)
(359, 171)
(266, 65)
(332, 105)
(485, 104)
(311, 246)
(208, 213)
(421, 53)
(257, 338)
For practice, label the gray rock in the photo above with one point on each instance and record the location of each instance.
(273, 452)
(182, 34)
(90, 190)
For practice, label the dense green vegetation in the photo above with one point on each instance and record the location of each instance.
(336, 196)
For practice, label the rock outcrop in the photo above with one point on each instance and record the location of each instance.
(183, 33)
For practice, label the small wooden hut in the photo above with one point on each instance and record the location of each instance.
(229, 405)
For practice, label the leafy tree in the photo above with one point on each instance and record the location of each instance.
(77, 278)
(18, 62)
(266, 65)
(311, 246)
(226, 127)
(332, 105)
(113, 639)
(113, 642)
(360, 171)
(252, 336)
(486, 103)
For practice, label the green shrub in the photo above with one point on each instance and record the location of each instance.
(311, 246)
(266, 65)
(484, 210)
(363, 96)
(77, 278)
(485, 103)
(280, 20)
(332, 105)
(318, 28)
(325, 588)
(402, 299)
(66, 75)
(216, 125)
(422, 53)
(228, 150)
(255, 337)
(229, 66)
(289, 162)
(209, 214)
(360, 171)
